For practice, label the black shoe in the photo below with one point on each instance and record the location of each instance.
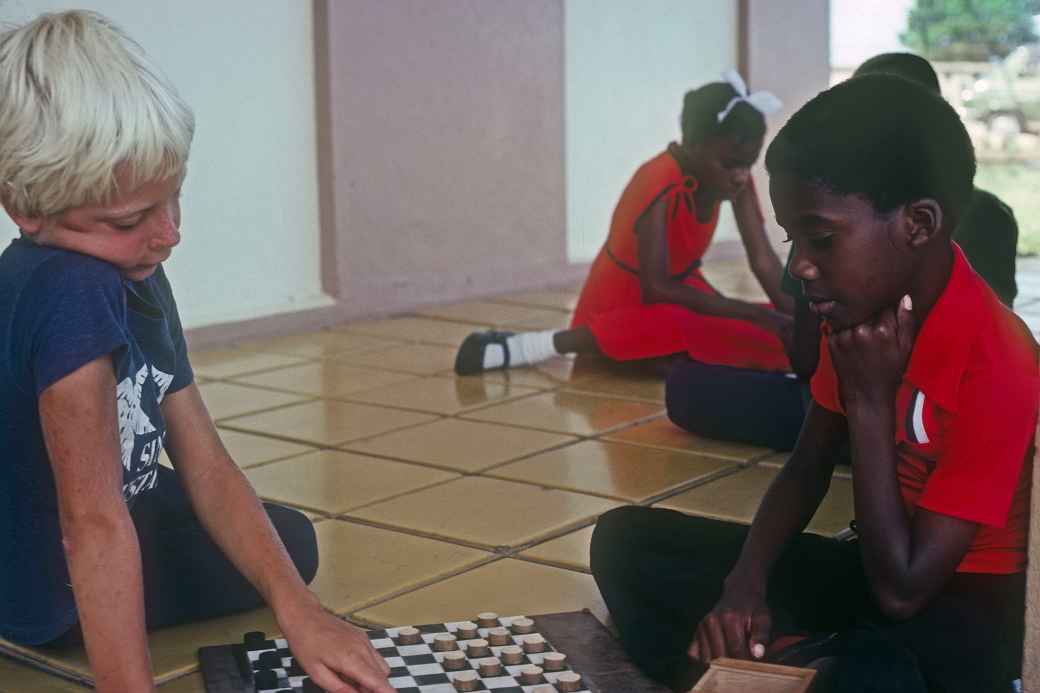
(470, 359)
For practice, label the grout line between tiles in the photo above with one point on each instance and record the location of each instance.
(265, 410)
(335, 445)
(463, 472)
(282, 390)
(492, 558)
(554, 564)
(303, 361)
(344, 517)
(694, 483)
(595, 434)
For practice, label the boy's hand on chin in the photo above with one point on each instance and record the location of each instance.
(870, 358)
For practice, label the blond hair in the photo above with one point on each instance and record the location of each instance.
(80, 99)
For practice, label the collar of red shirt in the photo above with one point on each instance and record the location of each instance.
(943, 345)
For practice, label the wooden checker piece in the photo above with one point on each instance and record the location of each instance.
(498, 637)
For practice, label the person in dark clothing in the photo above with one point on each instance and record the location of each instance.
(931, 382)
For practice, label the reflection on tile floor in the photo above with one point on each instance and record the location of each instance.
(438, 497)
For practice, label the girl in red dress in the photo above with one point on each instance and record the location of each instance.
(645, 296)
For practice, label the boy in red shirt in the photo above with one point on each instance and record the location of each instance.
(934, 384)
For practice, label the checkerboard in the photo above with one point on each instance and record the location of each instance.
(413, 668)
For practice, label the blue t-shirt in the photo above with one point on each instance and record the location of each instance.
(60, 310)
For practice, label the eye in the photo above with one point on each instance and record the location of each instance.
(820, 242)
(124, 224)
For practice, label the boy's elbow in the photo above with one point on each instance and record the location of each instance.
(104, 526)
(896, 606)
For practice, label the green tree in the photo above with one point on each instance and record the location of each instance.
(969, 29)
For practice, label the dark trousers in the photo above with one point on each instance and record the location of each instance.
(737, 404)
(660, 572)
(186, 576)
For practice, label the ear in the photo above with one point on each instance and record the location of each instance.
(923, 222)
(30, 225)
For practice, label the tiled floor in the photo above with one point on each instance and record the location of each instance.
(435, 496)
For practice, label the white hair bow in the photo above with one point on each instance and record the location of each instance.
(762, 101)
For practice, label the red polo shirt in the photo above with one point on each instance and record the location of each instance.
(966, 414)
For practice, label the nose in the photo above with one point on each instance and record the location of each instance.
(740, 177)
(167, 228)
(801, 266)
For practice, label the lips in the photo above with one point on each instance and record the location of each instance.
(821, 307)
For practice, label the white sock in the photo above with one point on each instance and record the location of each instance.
(524, 348)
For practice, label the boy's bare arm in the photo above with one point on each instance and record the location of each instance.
(226, 505)
(907, 561)
(741, 620)
(78, 417)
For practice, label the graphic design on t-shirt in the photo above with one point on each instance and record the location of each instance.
(915, 430)
(140, 441)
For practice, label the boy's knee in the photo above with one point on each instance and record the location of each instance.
(297, 533)
(612, 537)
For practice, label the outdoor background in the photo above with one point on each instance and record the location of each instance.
(988, 59)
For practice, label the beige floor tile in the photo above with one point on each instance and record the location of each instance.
(567, 412)
(332, 481)
(421, 359)
(662, 433)
(649, 388)
(16, 677)
(780, 458)
(223, 363)
(626, 472)
(570, 550)
(192, 683)
(327, 422)
(737, 497)
(326, 378)
(250, 450)
(224, 400)
(442, 395)
(508, 587)
(562, 299)
(486, 313)
(318, 344)
(468, 446)
(174, 650)
(361, 564)
(488, 512)
(416, 329)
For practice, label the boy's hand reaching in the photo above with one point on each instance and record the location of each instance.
(337, 656)
(870, 358)
(737, 627)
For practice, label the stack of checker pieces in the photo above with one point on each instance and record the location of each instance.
(501, 654)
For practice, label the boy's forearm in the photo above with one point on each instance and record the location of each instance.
(881, 518)
(104, 562)
(229, 509)
(788, 506)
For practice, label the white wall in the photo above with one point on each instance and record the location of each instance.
(628, 66)
(250, 228)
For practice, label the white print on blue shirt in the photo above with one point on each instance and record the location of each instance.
(139, 440)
